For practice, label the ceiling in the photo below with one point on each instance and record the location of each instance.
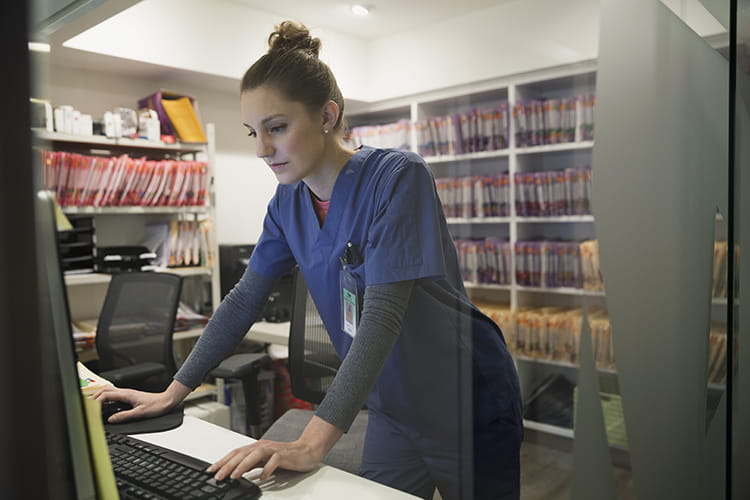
(386, 16)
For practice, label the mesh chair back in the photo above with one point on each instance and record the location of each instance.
(137, 320)
(313, 361)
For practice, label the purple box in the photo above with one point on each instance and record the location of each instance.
(154, 102)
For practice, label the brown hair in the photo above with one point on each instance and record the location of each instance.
(292, 67)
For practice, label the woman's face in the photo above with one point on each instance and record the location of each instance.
(289, 138)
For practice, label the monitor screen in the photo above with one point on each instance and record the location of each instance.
(66, 421)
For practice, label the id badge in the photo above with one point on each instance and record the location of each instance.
(349, 302)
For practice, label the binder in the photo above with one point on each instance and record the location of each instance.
(178, 115)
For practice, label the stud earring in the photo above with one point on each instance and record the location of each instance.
(325, 131)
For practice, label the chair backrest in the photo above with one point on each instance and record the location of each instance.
(137, 320)
(313, 361)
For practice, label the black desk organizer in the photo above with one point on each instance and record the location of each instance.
(78, 246)
(128, 258)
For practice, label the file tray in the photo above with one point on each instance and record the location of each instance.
(78, 246)
(119, 259)
(190, 119)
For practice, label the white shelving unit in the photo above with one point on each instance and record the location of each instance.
(122, 143)
(132, 210)
(125, 225)
(551, 83)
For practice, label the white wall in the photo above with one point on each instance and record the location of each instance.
(207, 37)
(510, 38)
(244, 186)
(243, 183)
(217, 37)
(223, 37)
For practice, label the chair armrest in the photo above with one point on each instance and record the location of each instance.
(238, 366)
(133, 373)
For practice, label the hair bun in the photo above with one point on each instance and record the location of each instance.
(291, 35)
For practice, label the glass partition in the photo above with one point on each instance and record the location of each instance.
(659, 192)
(648, 394)
(739, 372)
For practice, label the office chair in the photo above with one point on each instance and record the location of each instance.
(246, 368)
(134, 341)
(313, 364)
(134, 332)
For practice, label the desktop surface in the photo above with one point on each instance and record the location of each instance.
(209, 442)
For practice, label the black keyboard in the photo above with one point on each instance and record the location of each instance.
(147, 471)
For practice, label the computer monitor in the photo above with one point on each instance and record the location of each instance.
(66, 422)
(233, 260)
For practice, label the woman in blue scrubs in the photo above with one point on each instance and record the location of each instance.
(367, 230)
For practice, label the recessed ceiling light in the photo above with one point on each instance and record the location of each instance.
(360, 10)
(39, 47)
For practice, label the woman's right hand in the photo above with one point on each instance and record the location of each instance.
(145, 404)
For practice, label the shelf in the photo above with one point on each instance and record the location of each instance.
(90, 354)
(97, 278)
(552, 148)
(563, 432)
(548, 429)
(86, 279)
(187, 271)
(520, 220)
(564, 364)
(561, 290)
(481, 155)
(478, 220)
(135, 210)
(486, 286)
(559, 218)
(120, 143)
(552, 362)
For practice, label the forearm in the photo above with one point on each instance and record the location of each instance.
(227, 327)
(176, 392)
(320, 436)
(382, 315)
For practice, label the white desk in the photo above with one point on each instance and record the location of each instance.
(269, 333)
(262, 331)
(210, 442)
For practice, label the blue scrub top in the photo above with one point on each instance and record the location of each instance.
(448, 355)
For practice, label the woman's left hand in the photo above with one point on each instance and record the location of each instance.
(295, 455)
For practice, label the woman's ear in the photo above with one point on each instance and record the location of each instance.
(330, 115)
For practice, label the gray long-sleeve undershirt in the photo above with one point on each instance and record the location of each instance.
(242, 307)
(382, 314)
(383, 311)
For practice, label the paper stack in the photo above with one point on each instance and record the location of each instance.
(90, 381)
